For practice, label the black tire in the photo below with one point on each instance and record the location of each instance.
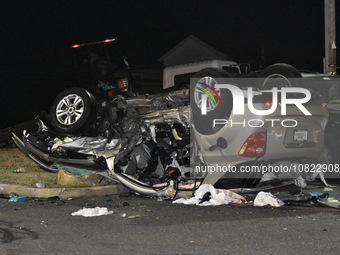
(332, 136)
(333, 148)
(326, 156)
(330, 157)
(279, 75)
(204, 123)
(183, 85)
(76, 108)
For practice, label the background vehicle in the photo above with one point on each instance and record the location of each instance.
(179, 76)
(102, 68)
(276, 75)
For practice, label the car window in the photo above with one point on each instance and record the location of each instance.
(231, 69)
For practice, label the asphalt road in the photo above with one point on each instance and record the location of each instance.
(160, 227)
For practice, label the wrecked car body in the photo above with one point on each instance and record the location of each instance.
(162, 146)
(130, 145)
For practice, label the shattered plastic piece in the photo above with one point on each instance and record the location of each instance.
(300, 182)
(317, 194)
(309, 203)
(326, 189)
(153, 132)
(12, 194)
(92, 212)
(218, 197)
(332, 199)
(42, 223)
(19, 170)
(330, 202)
(18, 199)
(160, 199)
(266, 198)
(39, 185)
(300, 199)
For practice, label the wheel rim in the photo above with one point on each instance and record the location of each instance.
(70, 109)
(276, 80)
(203, 86)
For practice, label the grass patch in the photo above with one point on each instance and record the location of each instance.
(13, 158)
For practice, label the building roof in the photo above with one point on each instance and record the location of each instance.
(191, 49)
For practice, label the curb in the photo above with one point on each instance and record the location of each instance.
(62, 193)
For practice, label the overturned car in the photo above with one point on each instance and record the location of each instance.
(169, 144)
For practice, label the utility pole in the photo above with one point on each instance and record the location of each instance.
(330, 39)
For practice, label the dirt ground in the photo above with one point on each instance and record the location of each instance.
(12, 159)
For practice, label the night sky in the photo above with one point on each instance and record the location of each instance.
(36, 36)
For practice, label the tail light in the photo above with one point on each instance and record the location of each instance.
(268, 104)
(110, 95)
(123, 85)
(255, 146)
(93, 43)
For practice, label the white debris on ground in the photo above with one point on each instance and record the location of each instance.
(327, 189)
(217, 197)
(92, 212)
(266, 198)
